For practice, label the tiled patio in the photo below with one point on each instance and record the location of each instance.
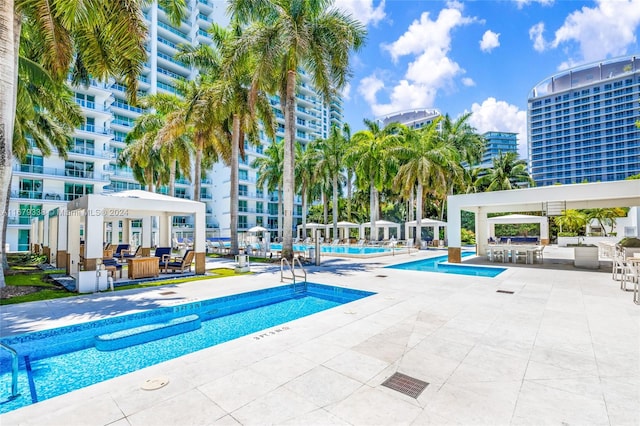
(564, 348)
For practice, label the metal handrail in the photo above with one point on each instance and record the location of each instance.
(297, 259)
(14, 369)
(284, 261)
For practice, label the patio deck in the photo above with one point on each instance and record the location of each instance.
(562, 349)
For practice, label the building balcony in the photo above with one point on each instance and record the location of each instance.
(91, 128)
(19, 220)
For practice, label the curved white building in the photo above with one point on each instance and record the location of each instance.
(414, 118)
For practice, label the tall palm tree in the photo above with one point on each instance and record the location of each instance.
(346, 132)
(605, 216)
(144, 160)
(270, 171)
(98, 38)
(507, 171)
(373, 165)
(306, 170)
(426, 159)
(332, 150)
(571, 220)
(291, 35)
(239, 93)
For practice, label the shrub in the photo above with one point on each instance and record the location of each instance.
(567, 234)
(468, 237)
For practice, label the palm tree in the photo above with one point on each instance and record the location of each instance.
(332, 152)
(372, 163)
(176, 153)
(571, 220)
(270, 171)
(306, 161)
(290, 35)
(239, 93)
(98, 38)
(346, 132)
(144, 160)
(426, 160)
(506, 173)
(605, 216)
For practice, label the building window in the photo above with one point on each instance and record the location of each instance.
(78, 169)
(259, 207)
(242, 190)
(243, 174)
(73, 191)
(31, 188)
(242, 222)
(242, 206)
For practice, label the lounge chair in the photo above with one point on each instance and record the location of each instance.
(126, 254)
(335, 241)
(118, 252)
(181, 263)
(361, 242)
(163, 254)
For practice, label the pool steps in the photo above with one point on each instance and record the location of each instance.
(146, 333)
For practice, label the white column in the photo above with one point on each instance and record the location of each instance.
(73, 242)
(63, 230)
(115, 229)
(146, 231)
(436, 232)
(482, 236)
(544, 229)
(126, 230)
(93, 236)
(164, 230)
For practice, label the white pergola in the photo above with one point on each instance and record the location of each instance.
(92, 212)
(426, 223)
(384, 224)
(518, 219)
(312, 226)
(343, 228)
(549, 199)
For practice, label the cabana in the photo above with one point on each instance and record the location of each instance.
(385, 225)
(426, 223)
(552, 200)
(311, 226)
(93, 211)
(343, 229)
(517, 219)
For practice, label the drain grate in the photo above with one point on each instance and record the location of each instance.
(381, 276)
(166, 293)
(405, 384)
(504, 291)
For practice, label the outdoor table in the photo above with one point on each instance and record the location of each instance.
(509, 252)
(143, 267)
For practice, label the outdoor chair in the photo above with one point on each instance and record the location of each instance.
(180, 263)
(163, 254)
(112, 265)
(126, 254)
(118, 253)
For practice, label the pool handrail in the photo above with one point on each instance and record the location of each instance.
(14, 369)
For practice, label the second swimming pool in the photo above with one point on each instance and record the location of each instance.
(439, 264)
(61, 360)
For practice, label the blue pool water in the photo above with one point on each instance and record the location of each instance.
(348, 250)
(60, 360)
(437, 264)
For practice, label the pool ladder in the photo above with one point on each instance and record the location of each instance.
(284, 264)
(14, 369)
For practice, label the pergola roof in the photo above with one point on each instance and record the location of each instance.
(518, 218)
(427, 222)
(135, 203)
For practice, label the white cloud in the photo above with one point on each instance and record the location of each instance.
(369, 87)
(363, 10)
(594, 33)
(427, 42)
(500, 116)
(523, 3)
(345, 93)
(536, 35)
(468, 82)
(489, 41)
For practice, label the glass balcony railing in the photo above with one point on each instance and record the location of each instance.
(31, 195)
(91, 128)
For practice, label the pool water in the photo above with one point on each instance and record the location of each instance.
(438, 264)
(57, 361)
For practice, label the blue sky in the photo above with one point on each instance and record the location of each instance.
(478, 56)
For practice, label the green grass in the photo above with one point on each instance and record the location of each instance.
(51, 291)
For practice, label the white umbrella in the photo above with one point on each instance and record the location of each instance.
(257, 229)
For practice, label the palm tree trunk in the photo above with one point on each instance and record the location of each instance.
(325, 208)
(349, 177)
(372, 212)
(197, 172)
(10, 24)
(288, 167)
(419, 215)
(172, 178)
(335, 206)
(235, 152)
(280, 209)
(411, 211)
(304, 212)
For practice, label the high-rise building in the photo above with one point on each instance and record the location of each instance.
(582, 124)
(413, 118)
(41, 184)
(498, 142)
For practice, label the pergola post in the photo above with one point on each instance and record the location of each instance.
(73, 244)
(145, 242)
(164, 229)
(62, 255)
(482, 235)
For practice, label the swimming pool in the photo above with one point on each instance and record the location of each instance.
(49, 359)
(438, 264)
(345, 251)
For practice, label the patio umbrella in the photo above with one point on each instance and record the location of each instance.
(257, 229)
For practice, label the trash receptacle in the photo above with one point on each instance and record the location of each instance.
(312, 253)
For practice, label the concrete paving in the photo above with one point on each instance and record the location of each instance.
(564, 348)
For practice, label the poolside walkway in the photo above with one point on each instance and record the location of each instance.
(564, 348)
